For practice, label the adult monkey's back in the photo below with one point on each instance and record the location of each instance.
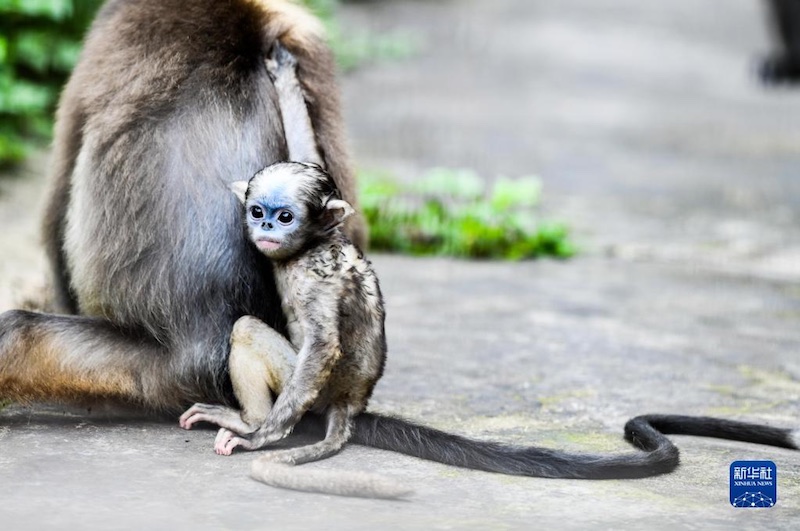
(169, 103)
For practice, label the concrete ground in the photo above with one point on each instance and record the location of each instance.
(679, 174)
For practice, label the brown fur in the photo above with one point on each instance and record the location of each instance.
(45, 375)
(169, 103)
(329, 294)
(333, 303)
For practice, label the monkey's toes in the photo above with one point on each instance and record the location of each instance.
(223, 436)
(187, 418)
(235, 442)
(196, 413)
(222, 450)
(227, 440)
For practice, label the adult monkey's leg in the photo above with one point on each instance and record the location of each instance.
(169, 103)
(75, 359)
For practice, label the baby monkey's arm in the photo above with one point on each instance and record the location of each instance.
(320, 352)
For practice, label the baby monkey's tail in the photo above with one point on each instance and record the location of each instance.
(645, 432)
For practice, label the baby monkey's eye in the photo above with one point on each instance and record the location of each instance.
(257, 212)
(285, 217)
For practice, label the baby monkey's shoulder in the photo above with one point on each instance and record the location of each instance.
(337, 258)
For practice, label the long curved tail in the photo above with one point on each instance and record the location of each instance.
(646, 432)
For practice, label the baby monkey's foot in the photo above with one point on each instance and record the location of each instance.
(227, 440)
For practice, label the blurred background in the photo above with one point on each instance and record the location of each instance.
(653, 147)
(647, 122)
(39, 43)
(518, 128)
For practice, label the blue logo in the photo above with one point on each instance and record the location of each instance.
(754, 484)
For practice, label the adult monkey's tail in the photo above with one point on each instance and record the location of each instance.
(646, 432)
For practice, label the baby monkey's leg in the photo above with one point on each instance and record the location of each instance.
(260, 363)
(300, 139)
(315, 362)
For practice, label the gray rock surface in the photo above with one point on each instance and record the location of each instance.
(679, 174)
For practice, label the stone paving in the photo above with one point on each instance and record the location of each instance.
(679, 174)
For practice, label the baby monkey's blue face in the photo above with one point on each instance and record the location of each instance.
(271, 220)
(276, 211)
(289, 204)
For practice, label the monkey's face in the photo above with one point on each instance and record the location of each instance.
(288, 206)
(274, 225)
(276, 212)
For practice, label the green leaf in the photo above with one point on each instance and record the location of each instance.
(446, 212)
(34, 49)
(65, 55)
(12, 149)
(25, 97)
(446, 182)
(39, 44)
(325, 9)
(523, 192)
(52, 9)
(376, 187)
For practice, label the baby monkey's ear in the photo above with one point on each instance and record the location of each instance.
(239, 188)
(337, 211)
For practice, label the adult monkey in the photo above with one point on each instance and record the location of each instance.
(169, 103)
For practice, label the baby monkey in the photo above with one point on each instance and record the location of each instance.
(330, 296)
(331, 299)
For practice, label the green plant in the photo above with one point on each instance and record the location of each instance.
(453, 213)
(40, 41)
(39, 44)
(354, 49)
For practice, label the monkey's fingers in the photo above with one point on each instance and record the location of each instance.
(189, 416)
(198, 413)
(223, 436)
(226, 441)
(220, 415)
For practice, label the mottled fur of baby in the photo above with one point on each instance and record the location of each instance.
(332, 301)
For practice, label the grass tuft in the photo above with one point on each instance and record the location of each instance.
(451, 212)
